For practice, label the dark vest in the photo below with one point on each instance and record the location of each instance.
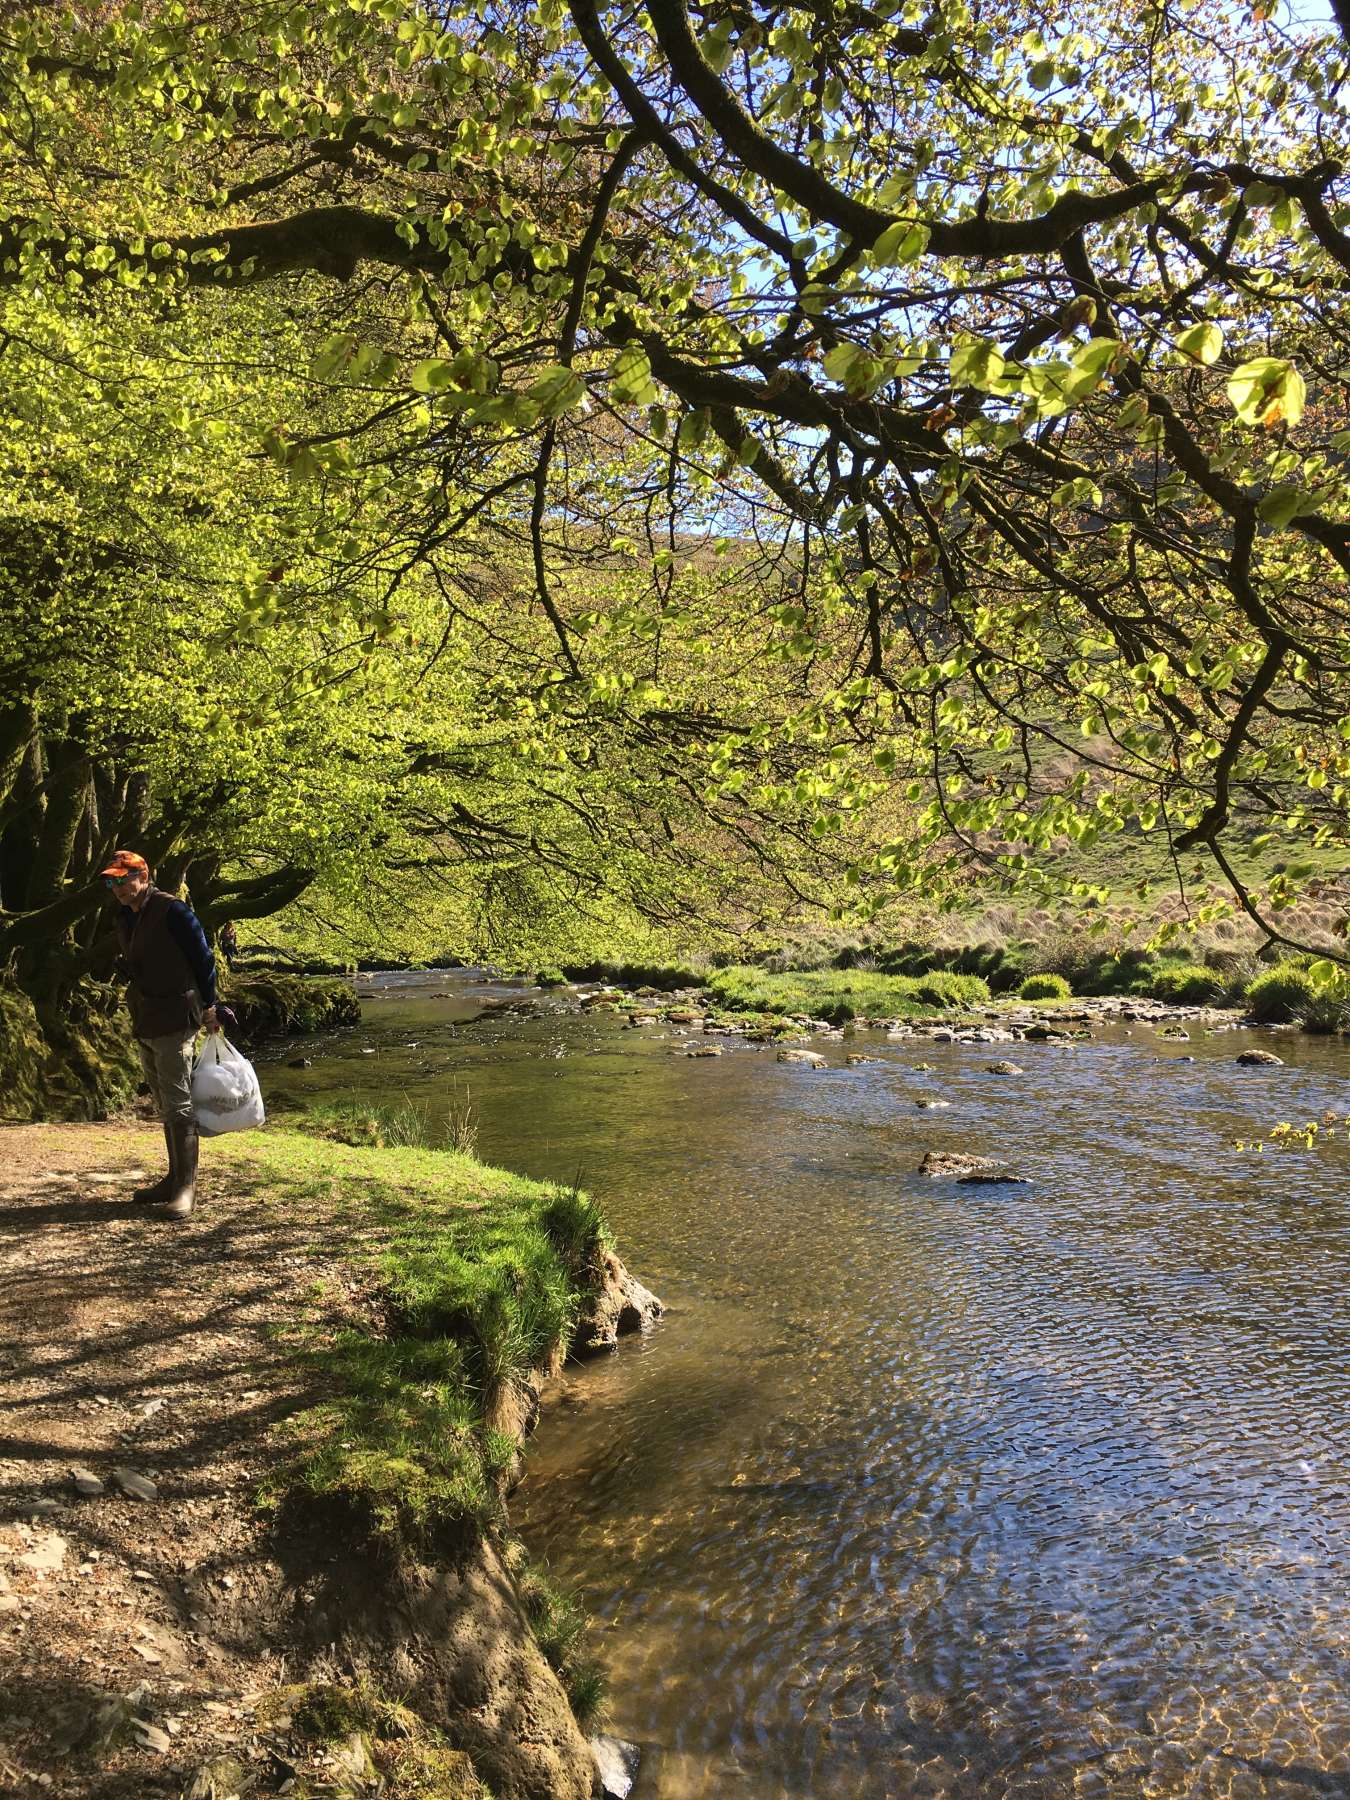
(162, 995)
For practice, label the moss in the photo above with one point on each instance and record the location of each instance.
(65, 1059)
(279, 1005)
(414, 1760)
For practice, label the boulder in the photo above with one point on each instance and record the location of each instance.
(1004, 1068)
(705, 1050)
(616, 1764)
(87, 1484)
(960, 1165)
(619, 1305)
(803, 1059)
(947, 1165)
(856, 1059)
(1260, 1059)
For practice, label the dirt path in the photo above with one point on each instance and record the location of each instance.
(129, 1652)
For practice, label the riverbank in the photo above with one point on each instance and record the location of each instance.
(295, 1423)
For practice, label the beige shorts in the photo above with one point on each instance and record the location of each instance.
(167, 1065)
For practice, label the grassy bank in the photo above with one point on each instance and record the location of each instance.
(1283, 993)
(839, 996)
(471, 1282)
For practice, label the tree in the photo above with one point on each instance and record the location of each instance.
(1018, 341)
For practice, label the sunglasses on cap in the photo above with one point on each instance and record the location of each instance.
(117, 881)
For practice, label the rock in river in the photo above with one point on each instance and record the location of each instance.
(1004, 1068)
(1265, 1059)
(803, 1059)
(616, 1762)
(959, 1165)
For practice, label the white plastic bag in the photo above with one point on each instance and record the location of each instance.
(225, 1091)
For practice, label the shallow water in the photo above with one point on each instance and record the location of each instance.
(927, 1489)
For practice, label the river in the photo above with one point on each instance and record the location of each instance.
(922, 1489)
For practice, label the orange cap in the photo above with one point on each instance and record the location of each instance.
(126, 862)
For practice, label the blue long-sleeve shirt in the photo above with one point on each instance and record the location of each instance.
(185, 928)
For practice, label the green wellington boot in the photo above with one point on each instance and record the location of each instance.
(160, 1190)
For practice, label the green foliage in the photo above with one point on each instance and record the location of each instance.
(839, 996)
(1044, 987)
(1190, 984)
(1326, 1012)
(550, 977)
(465, 592)
(1276, 997)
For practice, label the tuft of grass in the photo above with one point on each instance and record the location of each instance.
(840, 995)
(1190, 984)
(370, 1127)
(1276, 997)
(413, 1760)
(1044, 987)
(1325, 1013)
(560, 1627)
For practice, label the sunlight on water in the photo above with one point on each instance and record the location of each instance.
(930, 1490)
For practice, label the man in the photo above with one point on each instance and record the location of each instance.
(171, 995)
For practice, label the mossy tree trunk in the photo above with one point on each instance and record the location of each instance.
(65, 805)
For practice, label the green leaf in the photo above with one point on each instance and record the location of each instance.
(1096, 356)
(631, 381)
(1041, 74)
(1202, 343)
(840, 360)
(1079, 492)
(1267, 391)
(978, 364)
(431, 376)
(1283, 504)
(903, 242)
(557, 391)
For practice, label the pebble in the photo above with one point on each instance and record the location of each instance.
(134, 1486)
